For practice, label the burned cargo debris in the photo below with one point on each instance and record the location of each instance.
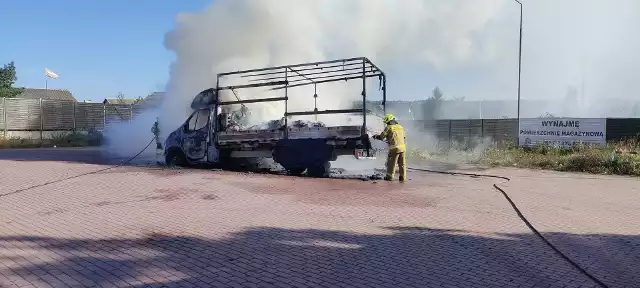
(237, 121)
(276, 125)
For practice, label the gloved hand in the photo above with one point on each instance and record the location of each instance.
(377, 137)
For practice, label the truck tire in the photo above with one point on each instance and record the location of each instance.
(319, 170)
(175, 158)
(295, 171)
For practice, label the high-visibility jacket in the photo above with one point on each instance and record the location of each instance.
(394, 135)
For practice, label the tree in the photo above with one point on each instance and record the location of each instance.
(8, 75)
(571, 98)
(437, 94)
(7, 79)
(138, 100)
(120, 98)
(433, 103)
(547, 115)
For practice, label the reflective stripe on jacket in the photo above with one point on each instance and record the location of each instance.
(394, 135)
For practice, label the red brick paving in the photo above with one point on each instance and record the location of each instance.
(137, 227)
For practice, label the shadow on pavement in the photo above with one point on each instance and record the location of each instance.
(93, 155)
(273, 257)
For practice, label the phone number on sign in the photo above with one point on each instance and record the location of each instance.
(567, 143)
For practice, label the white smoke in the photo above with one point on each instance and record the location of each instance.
(244, 34)
(588, 44)
(126, 139)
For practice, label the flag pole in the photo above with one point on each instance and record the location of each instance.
(46, 84)
(48, 74)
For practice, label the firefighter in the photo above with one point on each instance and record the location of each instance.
(393, 134)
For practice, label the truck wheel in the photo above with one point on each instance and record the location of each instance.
(295, 171)
(175, 158)
(320, 170)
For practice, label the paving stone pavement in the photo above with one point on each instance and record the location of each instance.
(146, 227)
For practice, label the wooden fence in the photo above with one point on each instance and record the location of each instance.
(51, 115)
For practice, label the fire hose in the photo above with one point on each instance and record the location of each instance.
(81, 174)
(521, 216)
(516, 209)
(495, 186)
(518, 212)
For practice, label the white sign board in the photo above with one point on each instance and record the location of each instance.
(564, 132)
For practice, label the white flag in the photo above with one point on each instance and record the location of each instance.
(50, 74)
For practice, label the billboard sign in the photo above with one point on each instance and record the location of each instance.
(564, 132)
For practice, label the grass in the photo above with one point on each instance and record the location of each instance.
(620, 158)
(73, 139)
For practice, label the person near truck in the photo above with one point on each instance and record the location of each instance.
(394, 135)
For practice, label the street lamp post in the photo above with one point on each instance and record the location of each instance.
(519, 69)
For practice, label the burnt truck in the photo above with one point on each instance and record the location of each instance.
(212, 136)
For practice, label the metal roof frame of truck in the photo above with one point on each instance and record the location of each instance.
(305, 74)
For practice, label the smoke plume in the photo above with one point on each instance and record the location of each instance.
(242, 34)
(467, 47)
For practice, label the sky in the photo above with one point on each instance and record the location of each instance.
(100, 48)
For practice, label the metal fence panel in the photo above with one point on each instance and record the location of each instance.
(489, 128)
(443, 133)
(500, 130)
(57, 115)
(459, 130)
(618, 129)
(466, 133)
(23, 114)
(507, 128)
(89, 116)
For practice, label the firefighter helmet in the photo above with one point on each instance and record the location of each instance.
(387, 118)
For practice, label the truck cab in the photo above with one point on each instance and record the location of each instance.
(189, 144)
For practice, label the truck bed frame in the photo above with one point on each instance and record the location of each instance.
(301, 141)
